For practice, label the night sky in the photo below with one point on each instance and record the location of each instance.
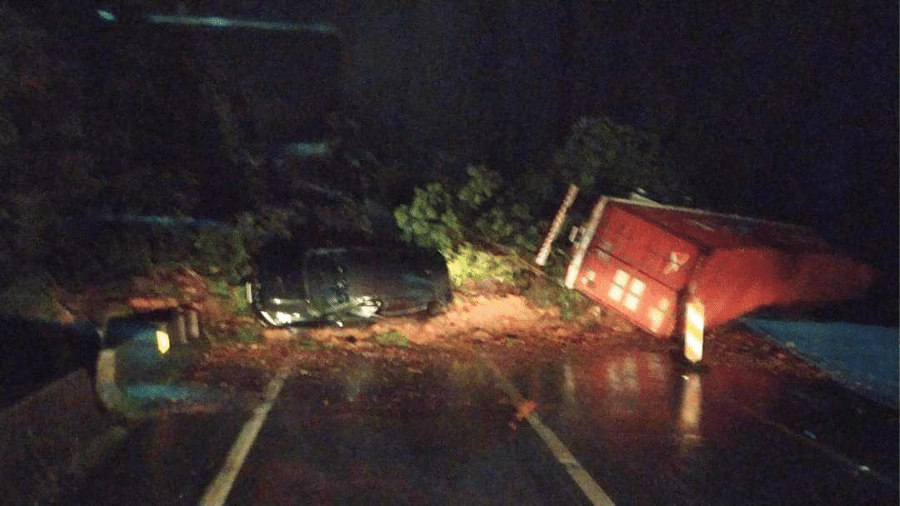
(781, 110)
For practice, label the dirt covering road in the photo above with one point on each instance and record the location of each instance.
(506, 326)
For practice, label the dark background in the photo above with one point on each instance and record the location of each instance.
(783, 110)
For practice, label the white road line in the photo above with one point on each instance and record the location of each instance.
(218, 490)
(581, 477)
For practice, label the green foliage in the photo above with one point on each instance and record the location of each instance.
(430, 221)
(469, 263)
(243, 334)
(572, 303)
(308, 343)
(392, 338)
(481, 186)
(248, 334)
(545, 293)
(219, 251)
(541, 292)
(511, 225)
(237, 297)
(479, 232)
(221, 288)
(437, 214)
(603, 155)
(234, 297)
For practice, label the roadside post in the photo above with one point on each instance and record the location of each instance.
(693, 331)
(105, 385)
(177, 328)
(544, 252)
(193, 324)
(584, 241)
(183, 326)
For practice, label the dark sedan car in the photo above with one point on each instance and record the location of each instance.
(293, 284)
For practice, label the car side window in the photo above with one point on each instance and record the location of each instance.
(327, 279)
(336, 293)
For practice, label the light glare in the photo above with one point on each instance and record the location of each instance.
(106, 15)
(162, 341)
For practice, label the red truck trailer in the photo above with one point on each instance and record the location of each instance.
(653, 263)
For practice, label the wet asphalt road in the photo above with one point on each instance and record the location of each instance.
(647, 431)
(651, 432)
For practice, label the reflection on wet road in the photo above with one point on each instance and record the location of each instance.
(653, 432)
(378, 434)
(406, 430)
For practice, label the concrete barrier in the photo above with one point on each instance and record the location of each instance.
(50, 440)
(107, 388)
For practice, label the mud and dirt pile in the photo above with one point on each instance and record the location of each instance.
(474, 318)
(506, 325)
(485, 319)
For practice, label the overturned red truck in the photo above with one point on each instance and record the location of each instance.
(654, 263)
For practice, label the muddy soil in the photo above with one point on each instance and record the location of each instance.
(505, 326)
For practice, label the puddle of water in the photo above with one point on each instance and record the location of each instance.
(644, 392)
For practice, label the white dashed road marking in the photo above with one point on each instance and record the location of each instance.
(581, 477)
(217, 491)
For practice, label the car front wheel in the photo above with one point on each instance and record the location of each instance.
(435, 308)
